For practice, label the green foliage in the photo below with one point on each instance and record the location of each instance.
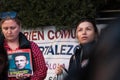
(38, 13)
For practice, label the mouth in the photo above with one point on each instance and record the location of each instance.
(9, 36)
(84, 38)
(20, 67)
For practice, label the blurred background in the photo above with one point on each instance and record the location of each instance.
(40, 13)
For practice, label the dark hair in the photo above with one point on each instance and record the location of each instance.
(4, 62)
(20, 54)
(91, 20)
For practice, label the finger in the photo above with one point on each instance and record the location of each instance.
(20, 76)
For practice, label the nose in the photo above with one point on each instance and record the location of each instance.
(84, 32)
(9, 31)
(18, 63)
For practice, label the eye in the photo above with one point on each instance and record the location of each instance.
(5, 28)
(88, 28)
(80, 29)
(12, 27)
(16, 61)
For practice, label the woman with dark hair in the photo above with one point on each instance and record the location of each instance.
(86, 33)
(3, 64)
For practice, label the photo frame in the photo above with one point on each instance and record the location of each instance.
(20, 61)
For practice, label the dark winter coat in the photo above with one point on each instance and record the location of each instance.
(76, 70)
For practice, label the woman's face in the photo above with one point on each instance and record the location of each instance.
(10, 29)
(85, 32)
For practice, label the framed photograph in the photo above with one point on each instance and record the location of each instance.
(20, 61)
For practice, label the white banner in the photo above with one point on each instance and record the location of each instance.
(57, 46)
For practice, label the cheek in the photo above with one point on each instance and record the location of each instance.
(78, 34)
(3, 31)
(92, 36)
(79, 37)
(17, 30)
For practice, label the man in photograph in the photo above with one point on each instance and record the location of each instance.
(21, 62)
